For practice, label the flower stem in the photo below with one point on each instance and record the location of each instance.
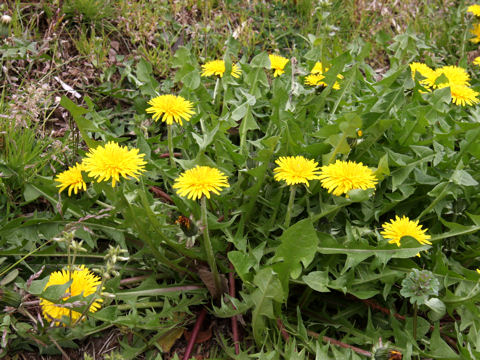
(415, 310)
(208, 248)
(170, 145)
(291, 199)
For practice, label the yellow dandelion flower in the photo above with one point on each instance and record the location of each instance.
(295, 170)
(478, 271)
(71, 178)
(318, 68)
(343, 176)
(476, 32)
(199, 181)
(170, 108)
(360, 133)
(83, 283)
(217, 67)
(113, 161)
(316, 76)
(277, 63)
(400, 227)
(455, 75)
(474, 9)
(462, 95)
(476, 61)
(424, 70)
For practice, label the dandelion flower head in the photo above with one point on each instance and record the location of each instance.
(454, 74)
(71, 178)
(476, 32)
(217, 67)
(277, 63)
(462, 95)
(342, 176)
(170, 108)
(474, 9)
(199, 181)
(316, 76)
(295, 170)
(400, 227)
(424, 70)
(112, 161)
(476, 61)
(83, 283)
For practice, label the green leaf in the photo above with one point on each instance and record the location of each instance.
(438, 309)
(298, 245)
(317, 280)
(269, 289)
(192, 80)
(83, 124)
(439, 348)
(260, 61)
(242, 263)
(461, 177)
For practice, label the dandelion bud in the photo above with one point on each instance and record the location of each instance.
(6, 19)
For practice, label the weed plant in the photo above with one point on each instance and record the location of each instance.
(314, 274)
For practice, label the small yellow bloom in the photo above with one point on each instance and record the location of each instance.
(474, 9)
(462, 95)
(316, 76)
(360, 133)
(199, 181)
(475, 31)
(295, 170)
(217, 67)
(278, 64)
(71, 178)
(170, 108)
(342, 176)
(478, 271)
(83, 283)
(400, 227)
(113, 161)
(476, 61)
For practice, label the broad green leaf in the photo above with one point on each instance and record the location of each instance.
(297, 246)
(317, 280)
(461, 177)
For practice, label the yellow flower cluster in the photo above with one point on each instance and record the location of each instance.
(103, 163)
(317, 75)
(454, 77)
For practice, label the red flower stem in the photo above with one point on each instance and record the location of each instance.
(339, 343)
(166, 155)
(160, 193)
(284, 332)
(193, 338)
(231, 281)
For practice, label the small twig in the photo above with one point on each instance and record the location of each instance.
(231, 281)
(134, 279)
(160, 193)
(195, 331)
(59, 348)
(339, 343)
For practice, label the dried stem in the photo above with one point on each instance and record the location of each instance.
(193, 338)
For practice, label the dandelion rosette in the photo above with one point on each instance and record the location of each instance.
(112, 161)
(277, 63)
(71, 178)
(295, 170)
(474, 9)
(217, 67)
(199, 181)
(83, 283)
(342, 176)
(400, 227)
(170, 108)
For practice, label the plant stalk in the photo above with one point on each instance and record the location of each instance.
(291, 200)
(415, 311)
(170, 145)
(208, 248)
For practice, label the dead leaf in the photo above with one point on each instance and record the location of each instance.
(207, 278)
(168, 340)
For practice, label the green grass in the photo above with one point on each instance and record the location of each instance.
(327, 285)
